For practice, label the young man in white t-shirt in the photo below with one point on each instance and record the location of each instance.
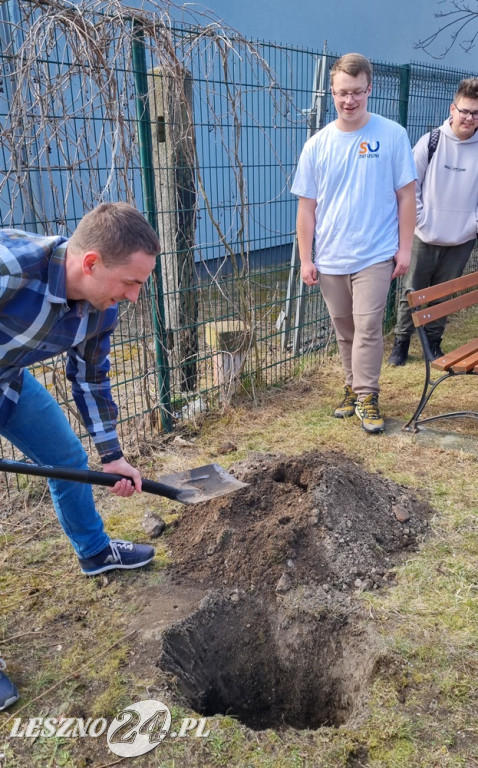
(356, 215)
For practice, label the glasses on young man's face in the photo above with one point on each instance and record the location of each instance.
(358, 94)
(465, 113)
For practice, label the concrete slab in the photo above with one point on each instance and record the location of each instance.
(443, 438)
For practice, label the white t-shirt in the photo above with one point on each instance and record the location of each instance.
(353, 176)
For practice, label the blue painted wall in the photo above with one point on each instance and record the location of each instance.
(380, 29)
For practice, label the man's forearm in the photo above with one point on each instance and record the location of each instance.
(305, 229)
(407, 213)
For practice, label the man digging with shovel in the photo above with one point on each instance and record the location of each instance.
(56, 296)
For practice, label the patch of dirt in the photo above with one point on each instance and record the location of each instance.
(279, 638)
(311, 519)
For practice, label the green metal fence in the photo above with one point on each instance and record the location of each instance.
(201, 130)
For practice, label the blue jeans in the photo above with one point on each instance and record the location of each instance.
(39, 428)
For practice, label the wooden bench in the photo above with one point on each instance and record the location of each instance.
(459, 362)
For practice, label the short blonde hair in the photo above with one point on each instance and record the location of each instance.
(352, 64)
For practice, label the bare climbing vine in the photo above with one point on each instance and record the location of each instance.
(101, 102)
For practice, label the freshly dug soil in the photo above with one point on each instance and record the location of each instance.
(311, 519)
(280, 638)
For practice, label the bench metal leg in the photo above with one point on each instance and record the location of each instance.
(428, 390)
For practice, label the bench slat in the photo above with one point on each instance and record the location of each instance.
(453, 358)
(467, 364)
(463, 360)
(424, 316)
(416, 298)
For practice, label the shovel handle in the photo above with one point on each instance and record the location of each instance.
(94, 478)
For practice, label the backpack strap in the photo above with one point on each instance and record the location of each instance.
(433, 140)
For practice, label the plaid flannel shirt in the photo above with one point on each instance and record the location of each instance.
(37, 322)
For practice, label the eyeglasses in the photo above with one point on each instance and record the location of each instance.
(359, 94)
(465, 113)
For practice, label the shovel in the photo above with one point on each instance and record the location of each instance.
(190, 487)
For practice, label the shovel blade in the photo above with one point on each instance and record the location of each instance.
(203, 483)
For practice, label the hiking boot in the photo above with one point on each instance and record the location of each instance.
(118, 554)
(347, 406)
(399, 353)
(435, 349)
(368, 413)
(8, 691)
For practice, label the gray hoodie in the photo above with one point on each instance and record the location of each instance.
(447, 188)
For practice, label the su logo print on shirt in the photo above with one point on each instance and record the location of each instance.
(366, 150)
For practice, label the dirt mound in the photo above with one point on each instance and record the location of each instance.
(280, 638)
(311, 519)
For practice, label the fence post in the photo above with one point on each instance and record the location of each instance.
(174, 156)
(404, 94)
(391, 306)
(147, 182)
(295, 285)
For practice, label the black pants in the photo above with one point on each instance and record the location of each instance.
(430, 265)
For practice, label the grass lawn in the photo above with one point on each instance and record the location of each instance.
(70, 642)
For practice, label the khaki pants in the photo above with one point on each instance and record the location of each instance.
(356, 305)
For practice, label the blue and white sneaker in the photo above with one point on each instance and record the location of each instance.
(8, 691)
(118, 554)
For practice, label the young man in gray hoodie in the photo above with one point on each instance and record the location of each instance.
(447, 212)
